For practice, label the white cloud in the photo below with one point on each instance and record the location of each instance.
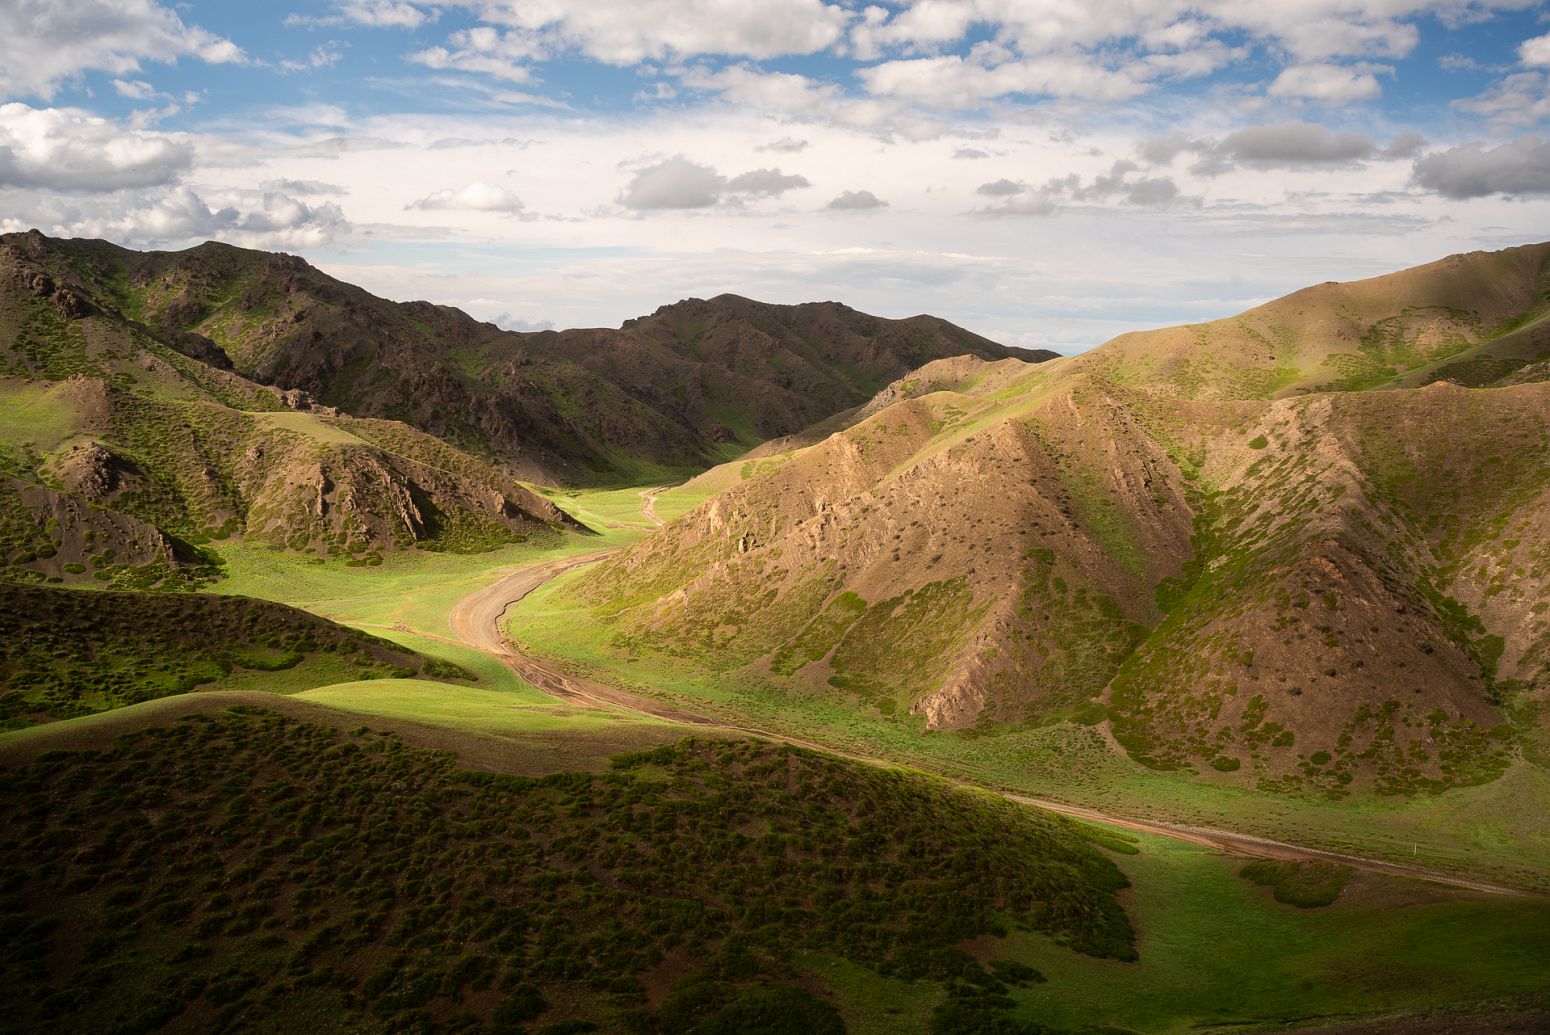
(377, 14)
(393, 14)
(1520, 167)
(678, 183)
(1021, 199)
(856, 201)
(765, 182)
(785, 145)
(68, 150)
(1326, 84)
(1535, 52)
(43, 42)
(1286, 145)
(674, 183)
(1520, 99)
(475, 197)
(302, 188)
(623, 32)
(1001, 188)
(322, 56)
(505, 55)
(134, 89)
(182, 216)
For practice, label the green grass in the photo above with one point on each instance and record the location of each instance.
(66, 653)
(1217, 950)
(1499, 829)
(311, 426)
(37, 413)
(246, 869)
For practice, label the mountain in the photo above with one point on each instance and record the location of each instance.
(1305, 593)
(121, 451)
(690, 385)
(1479, 319)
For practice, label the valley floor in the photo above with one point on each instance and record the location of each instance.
(1215, 950)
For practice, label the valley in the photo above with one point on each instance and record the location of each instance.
(960, 698)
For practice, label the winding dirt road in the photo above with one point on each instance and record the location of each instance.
(477, 620)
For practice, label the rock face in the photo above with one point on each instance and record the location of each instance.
(1332, 589)
(675, 391)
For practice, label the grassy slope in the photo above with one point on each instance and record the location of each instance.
(213, 931)
(66, 653)
(285, 886)
(1494, 828)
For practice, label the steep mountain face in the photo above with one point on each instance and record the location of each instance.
(1330, 590)
(119, 453)
(690, 385)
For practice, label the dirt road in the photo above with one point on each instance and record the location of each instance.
(648, 506)
(477, 619)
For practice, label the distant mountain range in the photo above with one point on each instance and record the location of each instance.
(663, 396)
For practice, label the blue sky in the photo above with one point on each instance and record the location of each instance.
(1047, 173)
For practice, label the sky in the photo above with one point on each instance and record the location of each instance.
(1048, 173)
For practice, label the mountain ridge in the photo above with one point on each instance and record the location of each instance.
(665, 394)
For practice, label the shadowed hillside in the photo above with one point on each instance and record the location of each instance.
(676, 391)
(65, 653)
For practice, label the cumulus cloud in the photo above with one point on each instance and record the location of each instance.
(856, 201)
(183, 216)
(44, 43)
(1000, 188)
(678, 183)
(623, 32)
(1535, 52)
(675, 183)
(1520, 99)
(244, 215)
(765, 182)
(384, 13)
(1326, 84)
(475, 197)
(1118, 184)
(1287, 145)
(1520, 167)
(67, 150)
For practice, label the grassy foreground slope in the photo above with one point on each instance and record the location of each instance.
(254, 874)
(65, 653)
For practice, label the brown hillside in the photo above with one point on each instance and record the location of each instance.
(1403, 328)
(1328, 590)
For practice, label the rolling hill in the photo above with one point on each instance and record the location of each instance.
(121, 453)
(1302, 594)
(671, 393)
